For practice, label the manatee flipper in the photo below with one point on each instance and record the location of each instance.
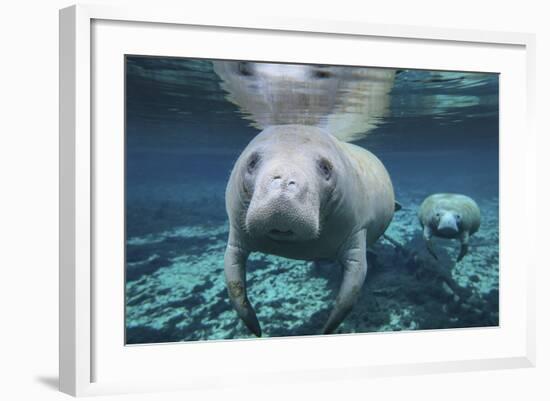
(464, 242)
(428, 239)
(353, 259)
(235, 276)
(397, 206)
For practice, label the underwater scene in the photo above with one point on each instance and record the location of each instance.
(270, 199)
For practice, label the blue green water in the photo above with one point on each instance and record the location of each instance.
(182, 138)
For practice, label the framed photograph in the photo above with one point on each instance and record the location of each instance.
(294, 200)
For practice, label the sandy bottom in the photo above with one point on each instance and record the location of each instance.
(175, 287)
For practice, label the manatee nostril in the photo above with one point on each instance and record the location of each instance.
(276, 182)
(284, 184)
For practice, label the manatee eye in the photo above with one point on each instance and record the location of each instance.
(325, 167)
(321, 74)
(245, 68)
(438, 215)
(253, 161)
(457, 217)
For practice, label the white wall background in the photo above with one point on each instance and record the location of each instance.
(29, 196)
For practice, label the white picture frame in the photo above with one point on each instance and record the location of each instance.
(82, 344)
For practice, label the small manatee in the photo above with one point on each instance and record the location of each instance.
(451, 216)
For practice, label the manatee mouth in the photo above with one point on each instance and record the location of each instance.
(447, 226)
(280, 235)
(447, 231)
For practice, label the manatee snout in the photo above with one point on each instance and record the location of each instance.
(283, 207)
(290, 185)
(448, 224)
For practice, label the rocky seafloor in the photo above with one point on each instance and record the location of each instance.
(175, 288)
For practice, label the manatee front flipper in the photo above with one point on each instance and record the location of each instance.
(428, 239)
(464, 241)
(235, 277)
(353, 259)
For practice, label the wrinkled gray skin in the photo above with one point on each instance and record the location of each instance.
(298, 192)
(451, 216)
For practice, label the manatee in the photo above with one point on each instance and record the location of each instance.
(451, 216)
(297, 191)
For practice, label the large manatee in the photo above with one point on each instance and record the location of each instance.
(298, 190)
